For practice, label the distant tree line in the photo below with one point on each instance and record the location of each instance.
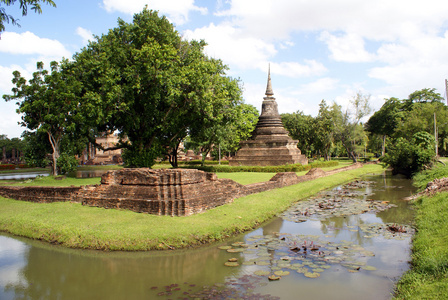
(333, 132)
(403, 133)
(410, 132)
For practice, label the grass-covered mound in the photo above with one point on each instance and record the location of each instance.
(77, 226)
(428, 277)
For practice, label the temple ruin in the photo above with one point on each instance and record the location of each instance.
(270, 144)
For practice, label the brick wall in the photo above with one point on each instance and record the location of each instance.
(174, 192)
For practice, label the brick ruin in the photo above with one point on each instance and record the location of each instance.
(269, 144)
(174, 192)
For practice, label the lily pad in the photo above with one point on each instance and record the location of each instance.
(281, 273)
(274, 278)
(231, 264)
(262, 273)
(368, 268)
(225, 247)
(233, 250)
(312, 274)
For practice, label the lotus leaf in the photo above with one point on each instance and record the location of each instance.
(281, 273)
(262, 273)
(312, 275)
(225, 247)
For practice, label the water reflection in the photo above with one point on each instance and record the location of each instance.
(35, 270)
(21, 176)
(43, 272)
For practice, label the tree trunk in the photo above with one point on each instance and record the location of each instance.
(54, 141)
(350, 153)
(173, 156)
(383, 148)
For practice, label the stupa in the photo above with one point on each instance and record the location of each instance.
(270, 144)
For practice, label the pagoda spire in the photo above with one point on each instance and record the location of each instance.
(269, 91)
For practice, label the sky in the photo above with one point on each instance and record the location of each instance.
(316, 49)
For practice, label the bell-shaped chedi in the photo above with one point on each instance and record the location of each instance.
(270, 144)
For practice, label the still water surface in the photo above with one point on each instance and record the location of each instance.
(35, 270)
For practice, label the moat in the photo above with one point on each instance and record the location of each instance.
(351, 261)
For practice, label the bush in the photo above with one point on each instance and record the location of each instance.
(66, 163)
(7, 167)
(409, 157)
(145, 158)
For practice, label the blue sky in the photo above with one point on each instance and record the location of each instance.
(317, 49)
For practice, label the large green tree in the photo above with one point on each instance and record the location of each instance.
(347, 128)
(225, 133)
(300, 127)
(142, 80)
(324, 127)
(48, 103)
(385, 121)
(24, 5)
(423, 110)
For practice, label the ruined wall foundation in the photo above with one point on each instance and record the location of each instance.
(173, 192)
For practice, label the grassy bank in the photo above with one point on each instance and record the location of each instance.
(428, 276)
(77, 226)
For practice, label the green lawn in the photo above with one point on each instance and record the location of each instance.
(428, 277)
(24, 170)
(53, 181)
(77, 226)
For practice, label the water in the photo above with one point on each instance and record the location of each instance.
(31, 175)
(22, 176)
(36, 270)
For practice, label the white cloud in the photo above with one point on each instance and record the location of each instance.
(233, 46)
(294, 69)
(28, 43)
(319, 86)
(417, 64)
(85, 34)
(347, 48)
(8, 116)
(383, 20)
(176, 10)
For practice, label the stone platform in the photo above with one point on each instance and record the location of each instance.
(174, 192)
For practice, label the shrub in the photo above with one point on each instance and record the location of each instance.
(145, 158)
(411, 156)
(66, 163)
(7, 167)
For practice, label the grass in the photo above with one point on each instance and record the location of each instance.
(52, 181)
(99, 167)
(421, 179)
(428, 277)
(247, 177)
(76, 226)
